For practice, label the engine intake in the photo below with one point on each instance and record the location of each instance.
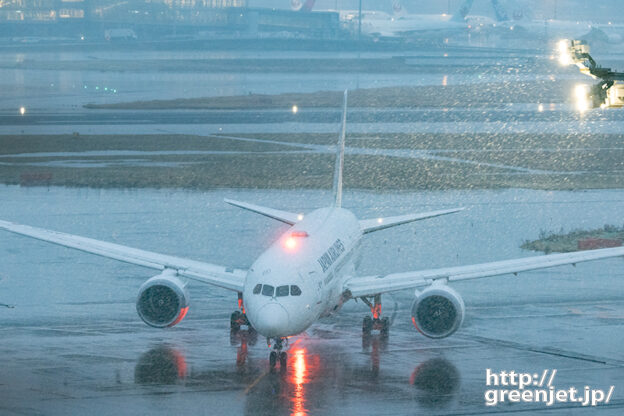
(163, 300)
(438, 311)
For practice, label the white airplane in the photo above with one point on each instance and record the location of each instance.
(461, 21)
(402, 24)
(308, 273)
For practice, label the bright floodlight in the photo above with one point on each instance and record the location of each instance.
(582, 100)
(295, 109)
(564, 52)
(22, 111)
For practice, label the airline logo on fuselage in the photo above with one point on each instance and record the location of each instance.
(331, 255)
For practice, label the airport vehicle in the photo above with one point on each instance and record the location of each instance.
(308, 273)
(609, 92)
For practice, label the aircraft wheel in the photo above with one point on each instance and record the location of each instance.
(283, 358)
(234, 338)
(367, 325)
(272, 359)
(366, 341)
(385, 327)
(252, 336)
(235, 320)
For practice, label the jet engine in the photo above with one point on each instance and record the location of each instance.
(438, 311)
(163, 300)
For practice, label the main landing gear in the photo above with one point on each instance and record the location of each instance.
(277, 354)
(376, 323)
(237, 320)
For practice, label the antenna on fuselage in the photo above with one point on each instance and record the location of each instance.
(340, 156)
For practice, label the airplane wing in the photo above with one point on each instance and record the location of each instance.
(376, 224)
(372, 285)
(276, 214)
(227, 278)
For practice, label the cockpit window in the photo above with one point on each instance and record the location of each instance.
(281, 291)
(295, 291)
(257, 289)
(267, 290)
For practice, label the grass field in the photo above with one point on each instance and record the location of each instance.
(471, 95)
(445, 161)
(567, 242)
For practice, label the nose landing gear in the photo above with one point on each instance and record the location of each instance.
(376, 322)
(277, 354)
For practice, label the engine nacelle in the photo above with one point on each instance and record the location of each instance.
(163, 300)
(438, 311)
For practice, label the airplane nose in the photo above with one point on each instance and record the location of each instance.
(272, 320)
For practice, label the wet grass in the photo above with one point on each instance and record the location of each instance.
(267, 166)
(562, 242)
(471, 95)
(148, 142)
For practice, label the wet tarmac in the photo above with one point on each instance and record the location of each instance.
(73, 343)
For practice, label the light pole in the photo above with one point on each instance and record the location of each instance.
(555, 10)
(360, 21)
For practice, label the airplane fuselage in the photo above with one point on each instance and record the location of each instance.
(412, 24)
(300, 277)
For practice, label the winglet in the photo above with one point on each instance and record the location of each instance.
(340, 156)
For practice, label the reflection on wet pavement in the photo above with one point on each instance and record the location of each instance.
(311, 382)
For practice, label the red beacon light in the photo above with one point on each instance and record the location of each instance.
(291, 241)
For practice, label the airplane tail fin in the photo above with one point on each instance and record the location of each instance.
(337, 187)
(519, 12)
(397, 9)
(499, 11)
(291, 217)
(462, 12)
